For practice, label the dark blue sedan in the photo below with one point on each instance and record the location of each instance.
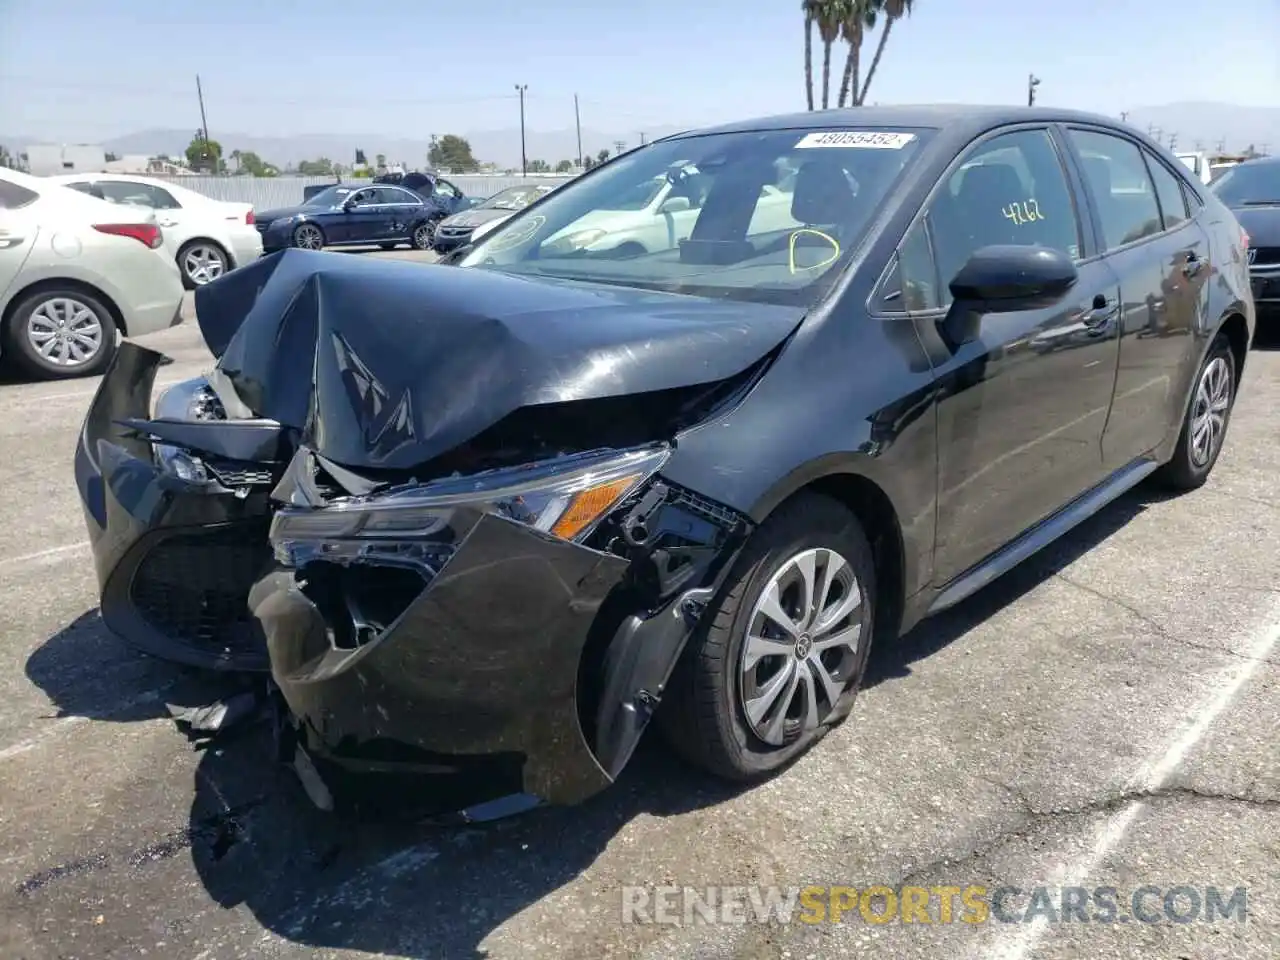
(382, 214)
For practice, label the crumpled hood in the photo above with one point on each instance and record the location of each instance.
(384, 364)
(1262, 224)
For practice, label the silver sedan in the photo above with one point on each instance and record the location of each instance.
(75, 274)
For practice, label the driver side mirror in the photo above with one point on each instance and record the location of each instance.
(674, 205)
(349, 203)
(1004, 279)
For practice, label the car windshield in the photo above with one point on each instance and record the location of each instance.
(332, 197)
(770, 216)
(513, 198)
(1249, 183)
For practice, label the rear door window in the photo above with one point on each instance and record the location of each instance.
(1116, 175)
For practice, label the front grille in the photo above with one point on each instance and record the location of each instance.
(194, 588)
(455, 233)
(1265, 255)
(239, 473)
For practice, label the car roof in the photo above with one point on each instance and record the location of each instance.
(1259, 162)
(958, 118)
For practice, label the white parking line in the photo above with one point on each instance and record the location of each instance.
(1153, 775)
(43, 554)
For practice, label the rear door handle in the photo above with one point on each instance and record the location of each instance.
(8, 240)
(1192, 266)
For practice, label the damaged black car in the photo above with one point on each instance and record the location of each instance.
(676, 441)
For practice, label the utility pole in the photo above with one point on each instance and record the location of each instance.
(1032, 82)
(1264, 149)
(204, 123)
(642, 140)
(617, 146)
(1124, 116)
(524, 158)
(1173, 141)
(1199, 146)
(577, 122)
(1159, 134)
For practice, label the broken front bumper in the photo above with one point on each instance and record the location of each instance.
(175, 557)
(486, 651)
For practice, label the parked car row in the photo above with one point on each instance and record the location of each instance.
(677, 441)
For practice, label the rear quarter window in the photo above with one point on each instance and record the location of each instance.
(14, 197)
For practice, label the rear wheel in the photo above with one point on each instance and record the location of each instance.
(201, 262)
(61, 332)
(1204, 425)
(781, 653)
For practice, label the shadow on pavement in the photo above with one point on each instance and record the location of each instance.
(404, 888)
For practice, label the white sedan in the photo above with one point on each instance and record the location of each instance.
(75, 273)
(209, 236)
(657, 215)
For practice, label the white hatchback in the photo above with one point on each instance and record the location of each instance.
(208, 237)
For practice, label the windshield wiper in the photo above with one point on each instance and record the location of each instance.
(1260, 203)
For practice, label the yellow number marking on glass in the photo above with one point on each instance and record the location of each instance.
(791, 250)
(1028, 211)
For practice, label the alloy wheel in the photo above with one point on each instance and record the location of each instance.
(1209, 412)
(65, 332)
(203, 264)
(308, 237)
(801, 646)
(425, 235)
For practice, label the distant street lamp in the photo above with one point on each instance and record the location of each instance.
(524, 160)
(1032, 82)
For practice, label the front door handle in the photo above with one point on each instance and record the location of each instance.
(8, 240)
(1192, 266)
(1102, 314)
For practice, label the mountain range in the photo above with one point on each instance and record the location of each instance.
(1207, 124)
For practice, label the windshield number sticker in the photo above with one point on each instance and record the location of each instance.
(1023, 213)
(856, 139)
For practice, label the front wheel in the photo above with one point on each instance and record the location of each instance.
(1204, 425)
(59, 332)
(307, 236)
(780, 654)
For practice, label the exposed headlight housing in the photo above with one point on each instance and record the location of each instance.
(421, 525)
(189, 400)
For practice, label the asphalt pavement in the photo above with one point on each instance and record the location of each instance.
(1105, 716)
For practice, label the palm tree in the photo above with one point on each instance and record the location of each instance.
(810, 8)
(859, 19)
(893, 10)
(829, 16)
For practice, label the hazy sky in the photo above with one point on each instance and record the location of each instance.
(85, 70)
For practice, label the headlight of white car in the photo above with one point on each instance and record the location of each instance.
(576, 241)
(484, 228)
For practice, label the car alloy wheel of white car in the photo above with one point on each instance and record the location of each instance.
(202, 263)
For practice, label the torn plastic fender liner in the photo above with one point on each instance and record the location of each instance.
(174, 559)
(483, 663)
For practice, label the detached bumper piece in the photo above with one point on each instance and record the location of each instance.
(178, 515)
(503, 637)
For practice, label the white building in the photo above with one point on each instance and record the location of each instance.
(45, 160)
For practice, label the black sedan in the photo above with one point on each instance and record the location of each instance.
(1252, 191)
(345, 215)
(486, 521)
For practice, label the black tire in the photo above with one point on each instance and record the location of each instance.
(299, 230)
(702, 712)
(22, 351)
(184, 268)
(1188, 469)
(424, 234)
(388, 246)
